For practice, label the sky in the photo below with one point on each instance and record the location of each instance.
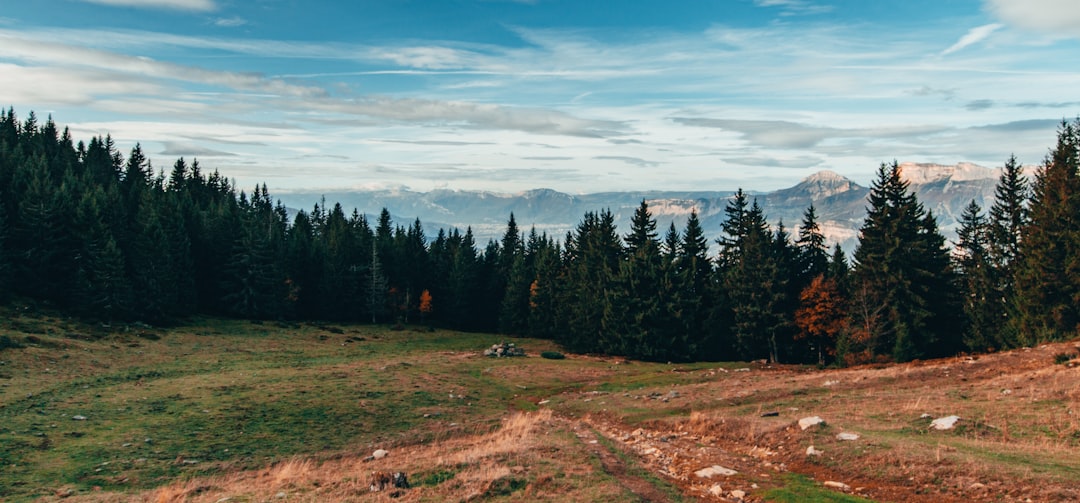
(580, 96)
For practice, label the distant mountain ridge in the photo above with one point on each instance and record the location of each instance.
(840, 203)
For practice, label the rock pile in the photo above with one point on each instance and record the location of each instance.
(503, 349)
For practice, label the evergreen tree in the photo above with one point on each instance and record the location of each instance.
(377, 286)
(982, 312)
(813, 255)
(1008, 217)
(102, 289)
(1048, 273)
(751, 282)
(905, 296)
(638, 319)
(545, 289)
(694, 293)
(593, 254)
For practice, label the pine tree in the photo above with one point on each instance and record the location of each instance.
(377, 286)
(751, 282)
(982, 312)
(694, 293)
(593, 253)
(1008, 217)
(1048, 273)
(813, 255)
(638, 320)
(905, 296)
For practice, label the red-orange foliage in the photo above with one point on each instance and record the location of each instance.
(425, 302)
(822, 314)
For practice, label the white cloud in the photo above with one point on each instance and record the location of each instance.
(973, 36)
(188, 5)
(795, 7)
(1061, 17)
(230, 22)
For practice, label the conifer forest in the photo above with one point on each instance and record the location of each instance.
(108, 236)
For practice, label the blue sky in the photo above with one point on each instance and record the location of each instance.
(575, 95)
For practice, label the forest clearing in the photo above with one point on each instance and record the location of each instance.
(228, 410)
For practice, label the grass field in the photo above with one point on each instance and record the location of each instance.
(254, 411)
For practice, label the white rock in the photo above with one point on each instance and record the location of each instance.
(716, 490)
(847, 436)
(79, 418)
(706, 473)
(837, 485)
(944, 423)
(830, 383)
(811, 451)
(807, 422)
(380, 453)
(925, 416)
(737, 494)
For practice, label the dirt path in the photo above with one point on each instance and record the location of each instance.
(614, 465)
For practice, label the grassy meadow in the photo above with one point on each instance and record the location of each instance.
(231, 410)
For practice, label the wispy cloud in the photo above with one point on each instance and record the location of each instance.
(795, 7)
(973, 36)
(187, 5)
(230, 22)
(634, 161)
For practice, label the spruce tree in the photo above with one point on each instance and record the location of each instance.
(1008, 217)
(694, 293)
(813, 254)
(982, 312)
(904, 286)
(1048, 273)
(638, 318)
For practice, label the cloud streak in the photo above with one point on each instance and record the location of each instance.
(972, 37)
(181, 5)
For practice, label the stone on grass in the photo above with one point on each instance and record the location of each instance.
(944, 423)
(811, 451)
(79, 418)
(379, 454)
(706, 473)
(837, 485)
(847, 436)
(808, 422)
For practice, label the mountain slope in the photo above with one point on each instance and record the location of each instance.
(840, 204)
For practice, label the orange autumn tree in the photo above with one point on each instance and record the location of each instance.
(822, 316)
(425, 305)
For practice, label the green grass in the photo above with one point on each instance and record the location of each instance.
(800, 489)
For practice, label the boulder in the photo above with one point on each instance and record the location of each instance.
(708, 472)
(944, 423)
(811, 421)
(837, 485)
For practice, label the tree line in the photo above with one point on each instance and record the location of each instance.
(105, 237)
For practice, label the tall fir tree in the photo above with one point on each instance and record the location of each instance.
(1048, 273)
(1008, 217)
(695, 293)
(982, 312)
(905, 294)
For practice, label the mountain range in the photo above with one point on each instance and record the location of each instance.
(840, 204)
